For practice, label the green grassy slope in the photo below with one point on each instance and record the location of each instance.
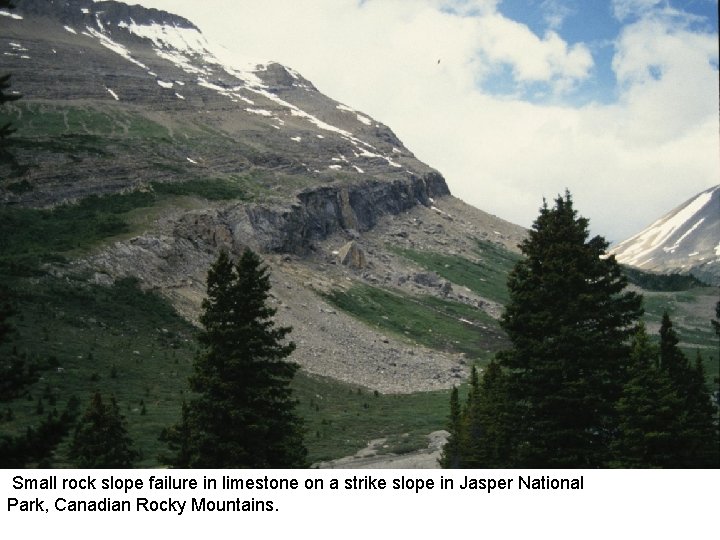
(122, 341)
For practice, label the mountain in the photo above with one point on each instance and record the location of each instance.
(140, 153)
(685, 240)
(156, 154)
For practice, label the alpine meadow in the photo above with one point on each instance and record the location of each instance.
(208, 263)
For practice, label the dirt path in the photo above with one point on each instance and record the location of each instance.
(368, 458)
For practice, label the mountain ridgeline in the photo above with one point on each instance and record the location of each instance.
(686, 240)
(140, 154)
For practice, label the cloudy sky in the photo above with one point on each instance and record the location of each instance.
(512, 100)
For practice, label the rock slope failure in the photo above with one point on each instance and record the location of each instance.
(120, 98)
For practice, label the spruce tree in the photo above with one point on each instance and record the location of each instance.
(650, 411)
(243, 414)
(672, 359)
(495, 415)
(569, 321)
(699, 435)
(450, 456)
(101, 440)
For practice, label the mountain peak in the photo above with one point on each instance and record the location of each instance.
(686, 239)
(82, 12)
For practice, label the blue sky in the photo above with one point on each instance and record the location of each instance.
(596, 24)
(616, 100)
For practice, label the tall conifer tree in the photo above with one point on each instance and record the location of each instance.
(569, 320)
(450, 457)
(243, 415)
(699, 436)
(650, 411)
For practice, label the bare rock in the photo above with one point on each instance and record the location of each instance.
(352, 255)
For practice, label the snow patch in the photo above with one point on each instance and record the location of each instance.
(113, 94)
(85, 10)
(179, 96)
(358, 169)
(165, 84)
(676, 245)
(261, 112)
(335, 167)
(5, 13)
(71, 30)
(364, 119)
(296, 139)
(115, 47)
(191, 160)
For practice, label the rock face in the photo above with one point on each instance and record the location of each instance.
(120, 98)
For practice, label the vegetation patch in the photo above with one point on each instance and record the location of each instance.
(122, 341)
(340, 419)
(486, 276)
(439, 324)
(662, 282)
(29, 236)
(216, 189)
(33, 119)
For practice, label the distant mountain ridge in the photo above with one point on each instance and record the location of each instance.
(685, 240)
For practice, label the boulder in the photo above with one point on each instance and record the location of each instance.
(352, 255)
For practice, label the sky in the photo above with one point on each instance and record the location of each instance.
(513, 101)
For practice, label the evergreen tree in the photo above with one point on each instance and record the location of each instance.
(101, 440)
(569, 320)
(243, 414)
(471, 428)
(672, 359)
(650, 411)
(450, 456)
(495, 416)
(699, 435)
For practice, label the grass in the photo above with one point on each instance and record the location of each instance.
(487, 276)
(216, 189)
(439, 324)
(340, 419)
(31, 236)
(33, 119)
(120, 340)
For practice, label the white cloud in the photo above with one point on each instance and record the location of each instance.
(624, 8)
(626, 163)
(555, 12)
(532, 58)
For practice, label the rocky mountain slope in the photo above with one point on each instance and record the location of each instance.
(388, 281)
(685, 240)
